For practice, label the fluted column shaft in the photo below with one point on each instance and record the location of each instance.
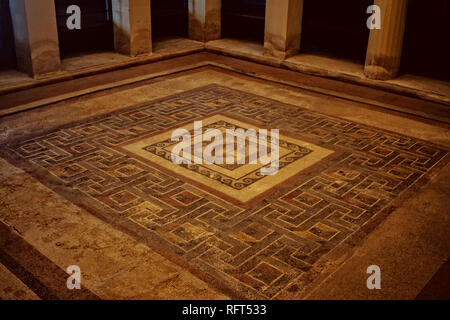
(384, 50)
(283, 27)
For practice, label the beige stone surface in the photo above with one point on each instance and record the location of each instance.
(165, 48)
(11, 288)
(242, 49)
(90, 60)
(8, 77)
(176, 46)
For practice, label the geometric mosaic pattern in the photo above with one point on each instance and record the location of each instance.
(256, 250)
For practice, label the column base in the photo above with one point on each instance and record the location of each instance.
(273, 46)
(379, 72)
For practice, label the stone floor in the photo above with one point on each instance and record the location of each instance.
(91, 63)
(85, 181)
(346, 70)
(162, 48)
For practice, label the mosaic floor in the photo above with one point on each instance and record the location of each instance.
(254, 236)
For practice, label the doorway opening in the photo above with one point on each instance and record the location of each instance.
(425, 48)
(7, 51)
(170, 19)
(244, 19)
(96, 33)
(336, 28)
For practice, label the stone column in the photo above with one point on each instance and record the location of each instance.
(384, 50)
(35, 36)
(283, 28)
(205, 19)
(132, 26)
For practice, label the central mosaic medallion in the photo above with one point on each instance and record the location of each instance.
(239, 183)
